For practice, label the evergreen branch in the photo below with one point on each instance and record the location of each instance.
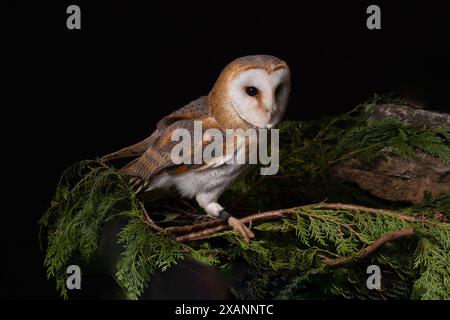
(280, 213)
(364, 253)
(286, 258)
(352, 207)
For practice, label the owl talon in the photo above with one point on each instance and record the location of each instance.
(237, 225)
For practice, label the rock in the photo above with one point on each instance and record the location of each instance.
(419, 118)
(396, 178)
(399, 179)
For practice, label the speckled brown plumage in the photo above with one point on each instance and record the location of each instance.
(211, 110)
(227, 106)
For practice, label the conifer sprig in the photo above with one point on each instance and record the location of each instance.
(286, 259)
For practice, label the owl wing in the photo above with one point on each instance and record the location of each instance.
(196, 109)
(157, 156)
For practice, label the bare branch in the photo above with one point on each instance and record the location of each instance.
(364, 253)
(149, 220)
(210, 228)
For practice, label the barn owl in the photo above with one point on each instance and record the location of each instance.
(250, 92)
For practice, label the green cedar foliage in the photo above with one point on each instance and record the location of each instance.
(285, 258)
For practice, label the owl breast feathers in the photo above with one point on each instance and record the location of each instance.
(251, 92)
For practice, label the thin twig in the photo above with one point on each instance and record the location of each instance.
(269, 215)
(364, 253)
(280, 213)
(348, 155)
(149, 220)
(192, 227)
(190, 206)
(354, 207)
(185, 212)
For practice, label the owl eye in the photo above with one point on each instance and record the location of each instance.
(251, 91)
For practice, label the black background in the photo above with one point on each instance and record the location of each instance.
(72, 95)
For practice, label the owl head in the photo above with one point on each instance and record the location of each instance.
(251, 91)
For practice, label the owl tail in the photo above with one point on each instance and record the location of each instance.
(135, 181)
(130, 169)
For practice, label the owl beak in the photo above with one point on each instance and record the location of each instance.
(273, 110)
(270, 117)
(268, 113)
